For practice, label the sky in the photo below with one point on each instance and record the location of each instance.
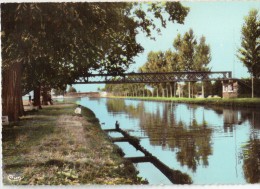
(219, 21)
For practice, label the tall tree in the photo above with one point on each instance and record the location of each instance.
(249, 53)
(192, 56)
(55, 43)
(186, 50)
(202, 56)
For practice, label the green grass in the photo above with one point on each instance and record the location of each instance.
(55, 147)
(234, 102)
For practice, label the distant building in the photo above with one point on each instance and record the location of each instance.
(230, 89)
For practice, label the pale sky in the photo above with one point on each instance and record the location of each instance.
(219, 21)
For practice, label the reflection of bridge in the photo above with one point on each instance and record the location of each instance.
(154, 77)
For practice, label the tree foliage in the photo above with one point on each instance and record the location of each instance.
(249, 53)
(57, 43)
(192, 56)
(75, 39)
(188, 55)
(72, 90)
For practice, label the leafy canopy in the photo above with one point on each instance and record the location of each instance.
(59, 42)
(249, 53)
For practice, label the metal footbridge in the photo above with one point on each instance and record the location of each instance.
(154, 77)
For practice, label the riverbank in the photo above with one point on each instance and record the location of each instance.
(53, 146)
(232, 102)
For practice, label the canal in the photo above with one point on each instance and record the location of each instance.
(213, 145)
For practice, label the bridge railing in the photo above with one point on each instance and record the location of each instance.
(154, 77)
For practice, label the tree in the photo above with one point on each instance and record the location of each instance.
(249, 53)
(188, 56)
(191, 55)
(185, 48)
(72, 90)
(58, 92)
(202, 55)
(54, 44)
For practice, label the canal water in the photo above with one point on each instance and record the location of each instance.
(213, 145)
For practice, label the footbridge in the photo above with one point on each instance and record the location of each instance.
(229, 84)
(154, 77)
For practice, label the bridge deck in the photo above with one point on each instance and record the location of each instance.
(154, 77)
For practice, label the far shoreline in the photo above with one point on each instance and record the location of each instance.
(224, 102)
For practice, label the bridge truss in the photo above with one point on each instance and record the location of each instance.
(154, 77)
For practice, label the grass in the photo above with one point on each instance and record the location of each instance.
(55, 147)
(233, 102)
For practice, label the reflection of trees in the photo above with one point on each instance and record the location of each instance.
(231, 118)
(115, 106)
(217, 109)
(192, 141)
(252, 161)
(251, 151)
(253, 116)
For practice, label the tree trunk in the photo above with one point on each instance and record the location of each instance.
(171, 89)
(174, 89)
(11, 92)
(189, 88)
(202, 89)
(44, 96)
(179, 87)
(167, 95)
(162, 92)
(252, 86)
(192, 90)
(37, 96)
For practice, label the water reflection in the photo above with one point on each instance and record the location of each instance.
(198, 140)
(192, 142)
(251, 155)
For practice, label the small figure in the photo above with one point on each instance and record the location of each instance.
(78, 110)
(117, 125)
(30, 100)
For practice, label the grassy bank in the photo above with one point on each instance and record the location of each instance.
(232, 102)
(55, 147)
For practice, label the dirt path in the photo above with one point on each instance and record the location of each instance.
(53, 146)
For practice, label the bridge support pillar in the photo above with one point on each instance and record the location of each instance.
(230, 89)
